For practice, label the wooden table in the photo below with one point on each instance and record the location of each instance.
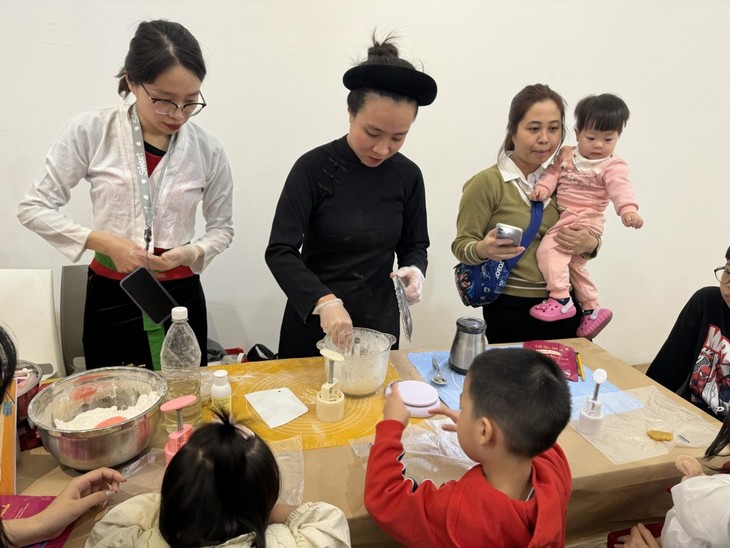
(608, 497)
(605, 496)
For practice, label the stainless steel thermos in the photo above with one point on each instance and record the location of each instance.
(470, 340)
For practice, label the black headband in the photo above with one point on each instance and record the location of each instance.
(402, 80)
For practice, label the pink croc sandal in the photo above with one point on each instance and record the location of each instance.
(592, 324)
(551, 310)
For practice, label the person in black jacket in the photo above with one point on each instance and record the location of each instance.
(695, 359)
(349, 208)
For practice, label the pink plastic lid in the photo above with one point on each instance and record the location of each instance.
(178, 403)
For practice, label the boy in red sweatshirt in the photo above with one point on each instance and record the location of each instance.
(514, 405)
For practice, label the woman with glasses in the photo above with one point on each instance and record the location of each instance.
(695, 359)
(148, 169)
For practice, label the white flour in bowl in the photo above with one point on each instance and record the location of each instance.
(89, 419)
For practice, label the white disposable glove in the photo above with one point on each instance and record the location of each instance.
(336, 323)
(413, 280)
(184, 255)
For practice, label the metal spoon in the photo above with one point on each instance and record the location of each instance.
(437, 377)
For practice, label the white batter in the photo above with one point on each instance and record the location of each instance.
(89, 419)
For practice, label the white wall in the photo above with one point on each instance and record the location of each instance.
(274, 91)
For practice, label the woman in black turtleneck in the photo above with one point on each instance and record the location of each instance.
(348, 208)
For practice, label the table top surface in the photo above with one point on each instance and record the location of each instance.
(594, 476)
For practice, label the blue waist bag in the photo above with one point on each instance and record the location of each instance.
(481, 284)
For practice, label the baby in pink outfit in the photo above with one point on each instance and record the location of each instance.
(587, 177)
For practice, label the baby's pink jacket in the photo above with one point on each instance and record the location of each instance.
(593, 189)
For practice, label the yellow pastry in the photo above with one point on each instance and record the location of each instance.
(660, 435)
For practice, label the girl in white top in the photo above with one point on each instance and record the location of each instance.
(220, 489)
(146, 180)
(700, 517)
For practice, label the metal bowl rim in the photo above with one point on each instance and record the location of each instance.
(106, 429)
(39, 375)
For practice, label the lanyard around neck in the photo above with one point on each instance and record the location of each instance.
(148, 201)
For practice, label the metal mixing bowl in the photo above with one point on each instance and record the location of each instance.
(98, 388)
(27, 387)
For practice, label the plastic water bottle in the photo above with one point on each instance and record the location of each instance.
(180, 362)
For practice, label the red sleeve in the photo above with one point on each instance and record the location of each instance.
(412, 514)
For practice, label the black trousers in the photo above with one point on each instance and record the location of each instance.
(508, 320)
(113, 328)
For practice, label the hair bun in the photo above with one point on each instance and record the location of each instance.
(384, 49)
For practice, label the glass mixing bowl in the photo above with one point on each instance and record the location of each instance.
(365, 368)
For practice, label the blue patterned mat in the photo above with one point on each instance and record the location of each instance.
(611, 397)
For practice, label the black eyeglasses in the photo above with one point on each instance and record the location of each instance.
(722, 275)
(168, 108)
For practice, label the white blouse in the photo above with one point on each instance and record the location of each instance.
(97, 147)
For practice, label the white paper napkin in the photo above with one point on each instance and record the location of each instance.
(276, 406)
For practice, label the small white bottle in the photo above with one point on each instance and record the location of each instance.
(220, 392)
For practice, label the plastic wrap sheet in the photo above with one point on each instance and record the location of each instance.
(430, 452)
(144, 474)
(623, 436)
(290, 457)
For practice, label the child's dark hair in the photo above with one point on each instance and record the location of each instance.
(157, 46)
(605, 112)
(223, 483)
(721, 441)
(522, 102)
(8, 360)
(525, 393)
(380, 53)
(727, 254)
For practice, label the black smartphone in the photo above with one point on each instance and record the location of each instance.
(148, 294)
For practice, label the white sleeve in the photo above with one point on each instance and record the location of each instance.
(217, 211)
(134, 522)
(66, 164)
(673, 534)
(701, 514)
(314, 524)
